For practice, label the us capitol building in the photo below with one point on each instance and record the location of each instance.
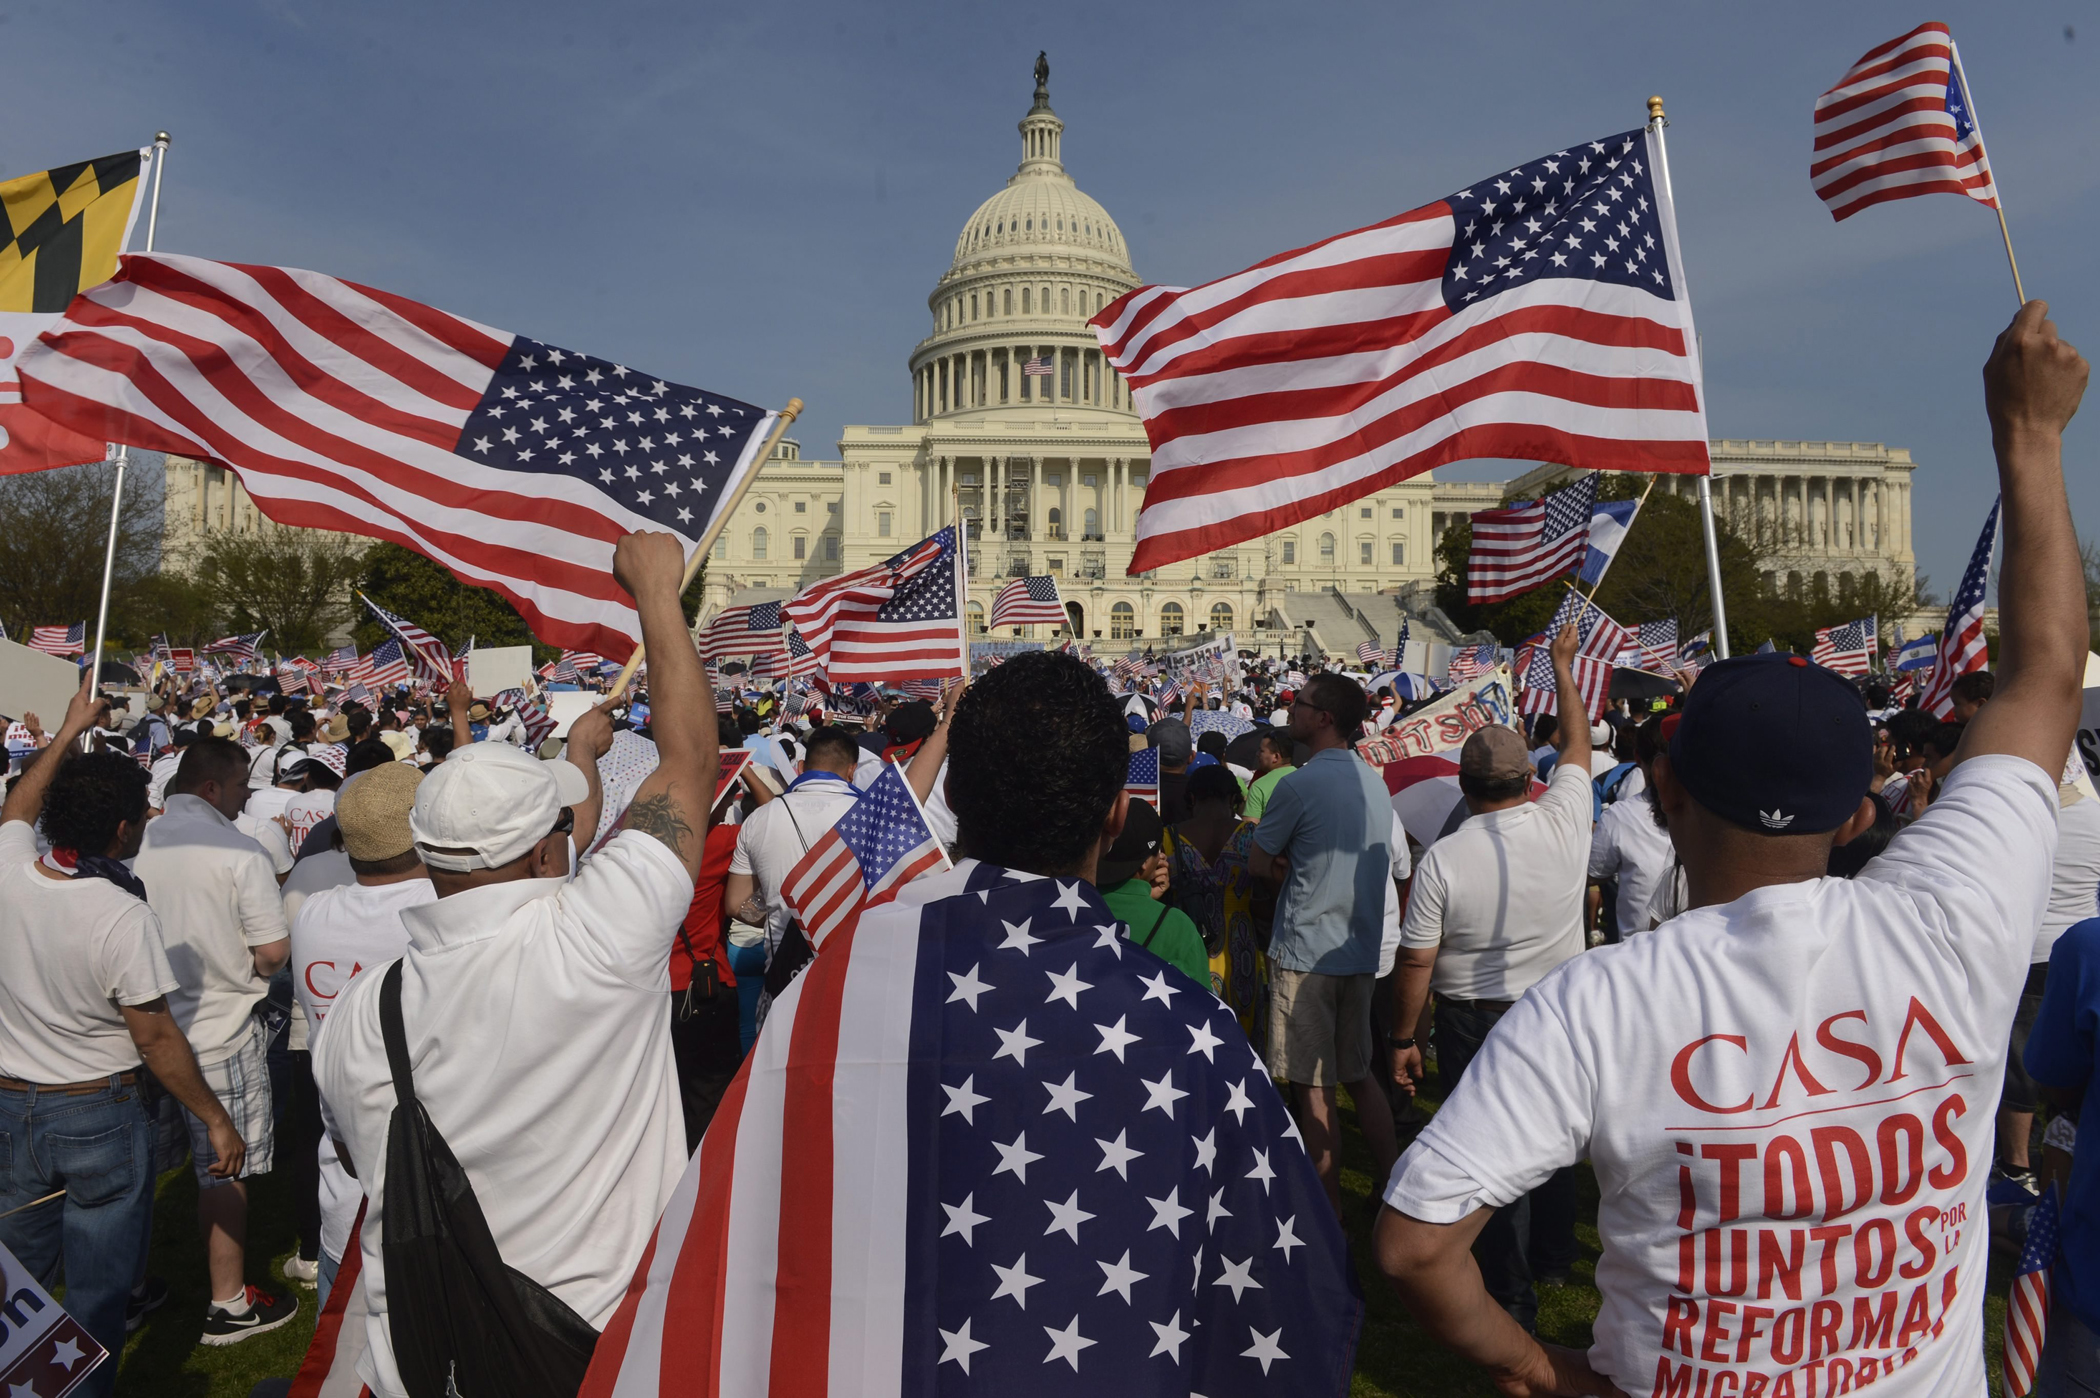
(1018, 422)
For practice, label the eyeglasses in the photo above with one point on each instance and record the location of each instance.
(563, 823)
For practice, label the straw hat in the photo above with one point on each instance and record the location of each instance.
(372, 811)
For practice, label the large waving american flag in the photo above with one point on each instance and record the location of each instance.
(59, 640)
(895, 621)
(745, 630)
(1528, 544)
(1029, 602)
(1538, 314)
(1899, 124)
(242, 648)
(514, 463)
(986, 1144)
(1961, 646)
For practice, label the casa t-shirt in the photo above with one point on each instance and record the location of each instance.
(1788, 1104)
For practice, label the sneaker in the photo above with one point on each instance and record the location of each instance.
(146, 1298)
(266, 1311)
(304, 1270)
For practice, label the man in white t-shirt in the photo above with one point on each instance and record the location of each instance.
(1786, 1092)
(84, 982)
(1496, 905)
(558, 1096)
(779, 833)
(1630, 844)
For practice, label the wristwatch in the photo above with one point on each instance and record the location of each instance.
(1392, 1041)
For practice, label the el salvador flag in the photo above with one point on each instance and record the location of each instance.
(1916, 655)
(1609, 522)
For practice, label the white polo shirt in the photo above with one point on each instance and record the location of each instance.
(539, 1033)
(1502, 894)
(71, 951)
(216, 894)
(780, 832)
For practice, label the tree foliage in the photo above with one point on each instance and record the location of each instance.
(54, 530)
(294, 582)
(410, 585)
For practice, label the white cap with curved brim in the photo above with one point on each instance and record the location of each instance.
(488, 804)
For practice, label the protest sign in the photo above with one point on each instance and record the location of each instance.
(43, 1351)
(1418, 755)
(491, 669)
(565, 706)
(32, 682)
(1213, 662)
(2085, 749)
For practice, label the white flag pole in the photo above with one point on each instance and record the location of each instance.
(123, 457)
(1656, 122)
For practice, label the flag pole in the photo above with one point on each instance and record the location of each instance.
(714, 530)
(1997, 196)
(123, 457)
(1629, 529)
(962, 586)
(1656, 122)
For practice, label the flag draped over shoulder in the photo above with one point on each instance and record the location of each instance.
(514, 463)
(985, 1138)
(1539, 314)
(60, 233)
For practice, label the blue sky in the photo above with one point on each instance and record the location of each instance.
(759, 199)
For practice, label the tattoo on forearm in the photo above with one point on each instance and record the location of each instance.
(658, 816)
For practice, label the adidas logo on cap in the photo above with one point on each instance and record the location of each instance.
(1774, 819)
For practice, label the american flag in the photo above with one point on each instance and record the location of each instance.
(340, 661)
(59, 640)
(929, 690)
(1901, 688)
(1471, 662)
(427, 656)
(742, 630)
(1370, 654)
(584, 660)
(291, 678)
(1038, 367)
(897, 620)
(768, 665)
(1899, 124)
(1848, 649)
(1028, 602)
(385, 667)
(1656, 641)
(1521, 546)
(531, 711)
(1601, 642)
(1961, 648)
(2027, 1304)
(1143, 778)
(513, 463)
(357, 692)
(877, 847)
(985, 1056)
(562, 670)
(1130, 667)
(1539, 314)
(242, 648)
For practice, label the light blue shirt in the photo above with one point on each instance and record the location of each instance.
(1332, 819)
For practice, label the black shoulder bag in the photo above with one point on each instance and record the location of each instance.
(461, 1321)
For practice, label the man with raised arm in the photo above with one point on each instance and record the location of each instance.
(1786, 1092)
(533, 1003)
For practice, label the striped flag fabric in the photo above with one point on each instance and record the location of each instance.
(584, 660)
(1961, 645)
(340, 661)
(513, 463)
(59, 640)
(2027, 1303)
(1901, 688)
(1143, 778)
(744, 630)
(1656, 645)
(1028, 602)
(1602, 642)
(867, 1212)
(1899, 124)
(897, 620)
(242, 649)
(1540, 314)
(428, 657)
(1523, 546)
(1848, 649)
(531, 711)
(1369, 653)
(291, 678)
(1471, 662)
(386, 666)
(876, 848)
(1038, 367)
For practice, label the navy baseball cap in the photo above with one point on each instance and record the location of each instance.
(1776, 744)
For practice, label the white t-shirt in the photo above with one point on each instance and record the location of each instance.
(270, 835)
(779, 833)
(2074, 881)
(267, 803)
(71, 951)
(162, 773)
(538, 1030)
(1788, 1104)
(1628, 845)
(1501, 896)
(339, 932)
(303, 812)
(216, 894)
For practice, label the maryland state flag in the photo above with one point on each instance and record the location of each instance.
(60, 233)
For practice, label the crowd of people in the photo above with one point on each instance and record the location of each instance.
(1811, 984)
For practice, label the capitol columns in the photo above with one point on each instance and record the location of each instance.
(1035, 501)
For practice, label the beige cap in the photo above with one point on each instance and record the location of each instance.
(398, 744)
(372, 811)
(337, 730)
(1494, 754)
(202, 707)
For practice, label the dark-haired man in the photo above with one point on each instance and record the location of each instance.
(1786, 1091)
(1970, 693)
(1272, 763)
(1327, 837)
(779, 833)
(84, 982)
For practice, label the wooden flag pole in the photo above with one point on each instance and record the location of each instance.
(714, 530)
(1997, 195)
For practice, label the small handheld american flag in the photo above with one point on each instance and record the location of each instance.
(1848, 649)
(1961, 646)
(1899, 124)
(59, 640)
(1143, 778)
(2027, 1304)
(1471, 662)
(241, 648)
(427, 656)
(876, 848)
(1028, 602)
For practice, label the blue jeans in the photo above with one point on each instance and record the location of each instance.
(98, 1148)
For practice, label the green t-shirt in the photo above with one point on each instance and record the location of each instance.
(1262, 788)
(1172, 938)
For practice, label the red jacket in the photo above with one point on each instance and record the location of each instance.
(704, 920)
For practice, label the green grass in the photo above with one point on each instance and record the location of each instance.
(1393, 1359)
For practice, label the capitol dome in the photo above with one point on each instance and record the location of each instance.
(1031, 266)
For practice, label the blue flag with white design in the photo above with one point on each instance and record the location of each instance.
(1609, 521)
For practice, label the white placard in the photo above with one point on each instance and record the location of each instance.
(566, 705)
(32, 682)
(493, 669)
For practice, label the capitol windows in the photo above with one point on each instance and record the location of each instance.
(973, 305)
(1064, 298)
(1122, 622)
(801, 547)
(758, 542)
(831, 548)
(1170, 618)
(1093, 519)
(1364, 512)
(1221, 616)
(882, 478)
(882, 524)
(1327, 548)
(976, 610)
(1024, 300)
(1363, 551)
(1399, 513)
(1057, 522)
(1290, 551)
(1399, 554)
(802, 507)
(1009, 299)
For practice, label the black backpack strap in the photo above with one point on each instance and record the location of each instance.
(1157, 921)
(390, 1027)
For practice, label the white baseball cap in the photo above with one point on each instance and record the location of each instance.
(494, 800)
